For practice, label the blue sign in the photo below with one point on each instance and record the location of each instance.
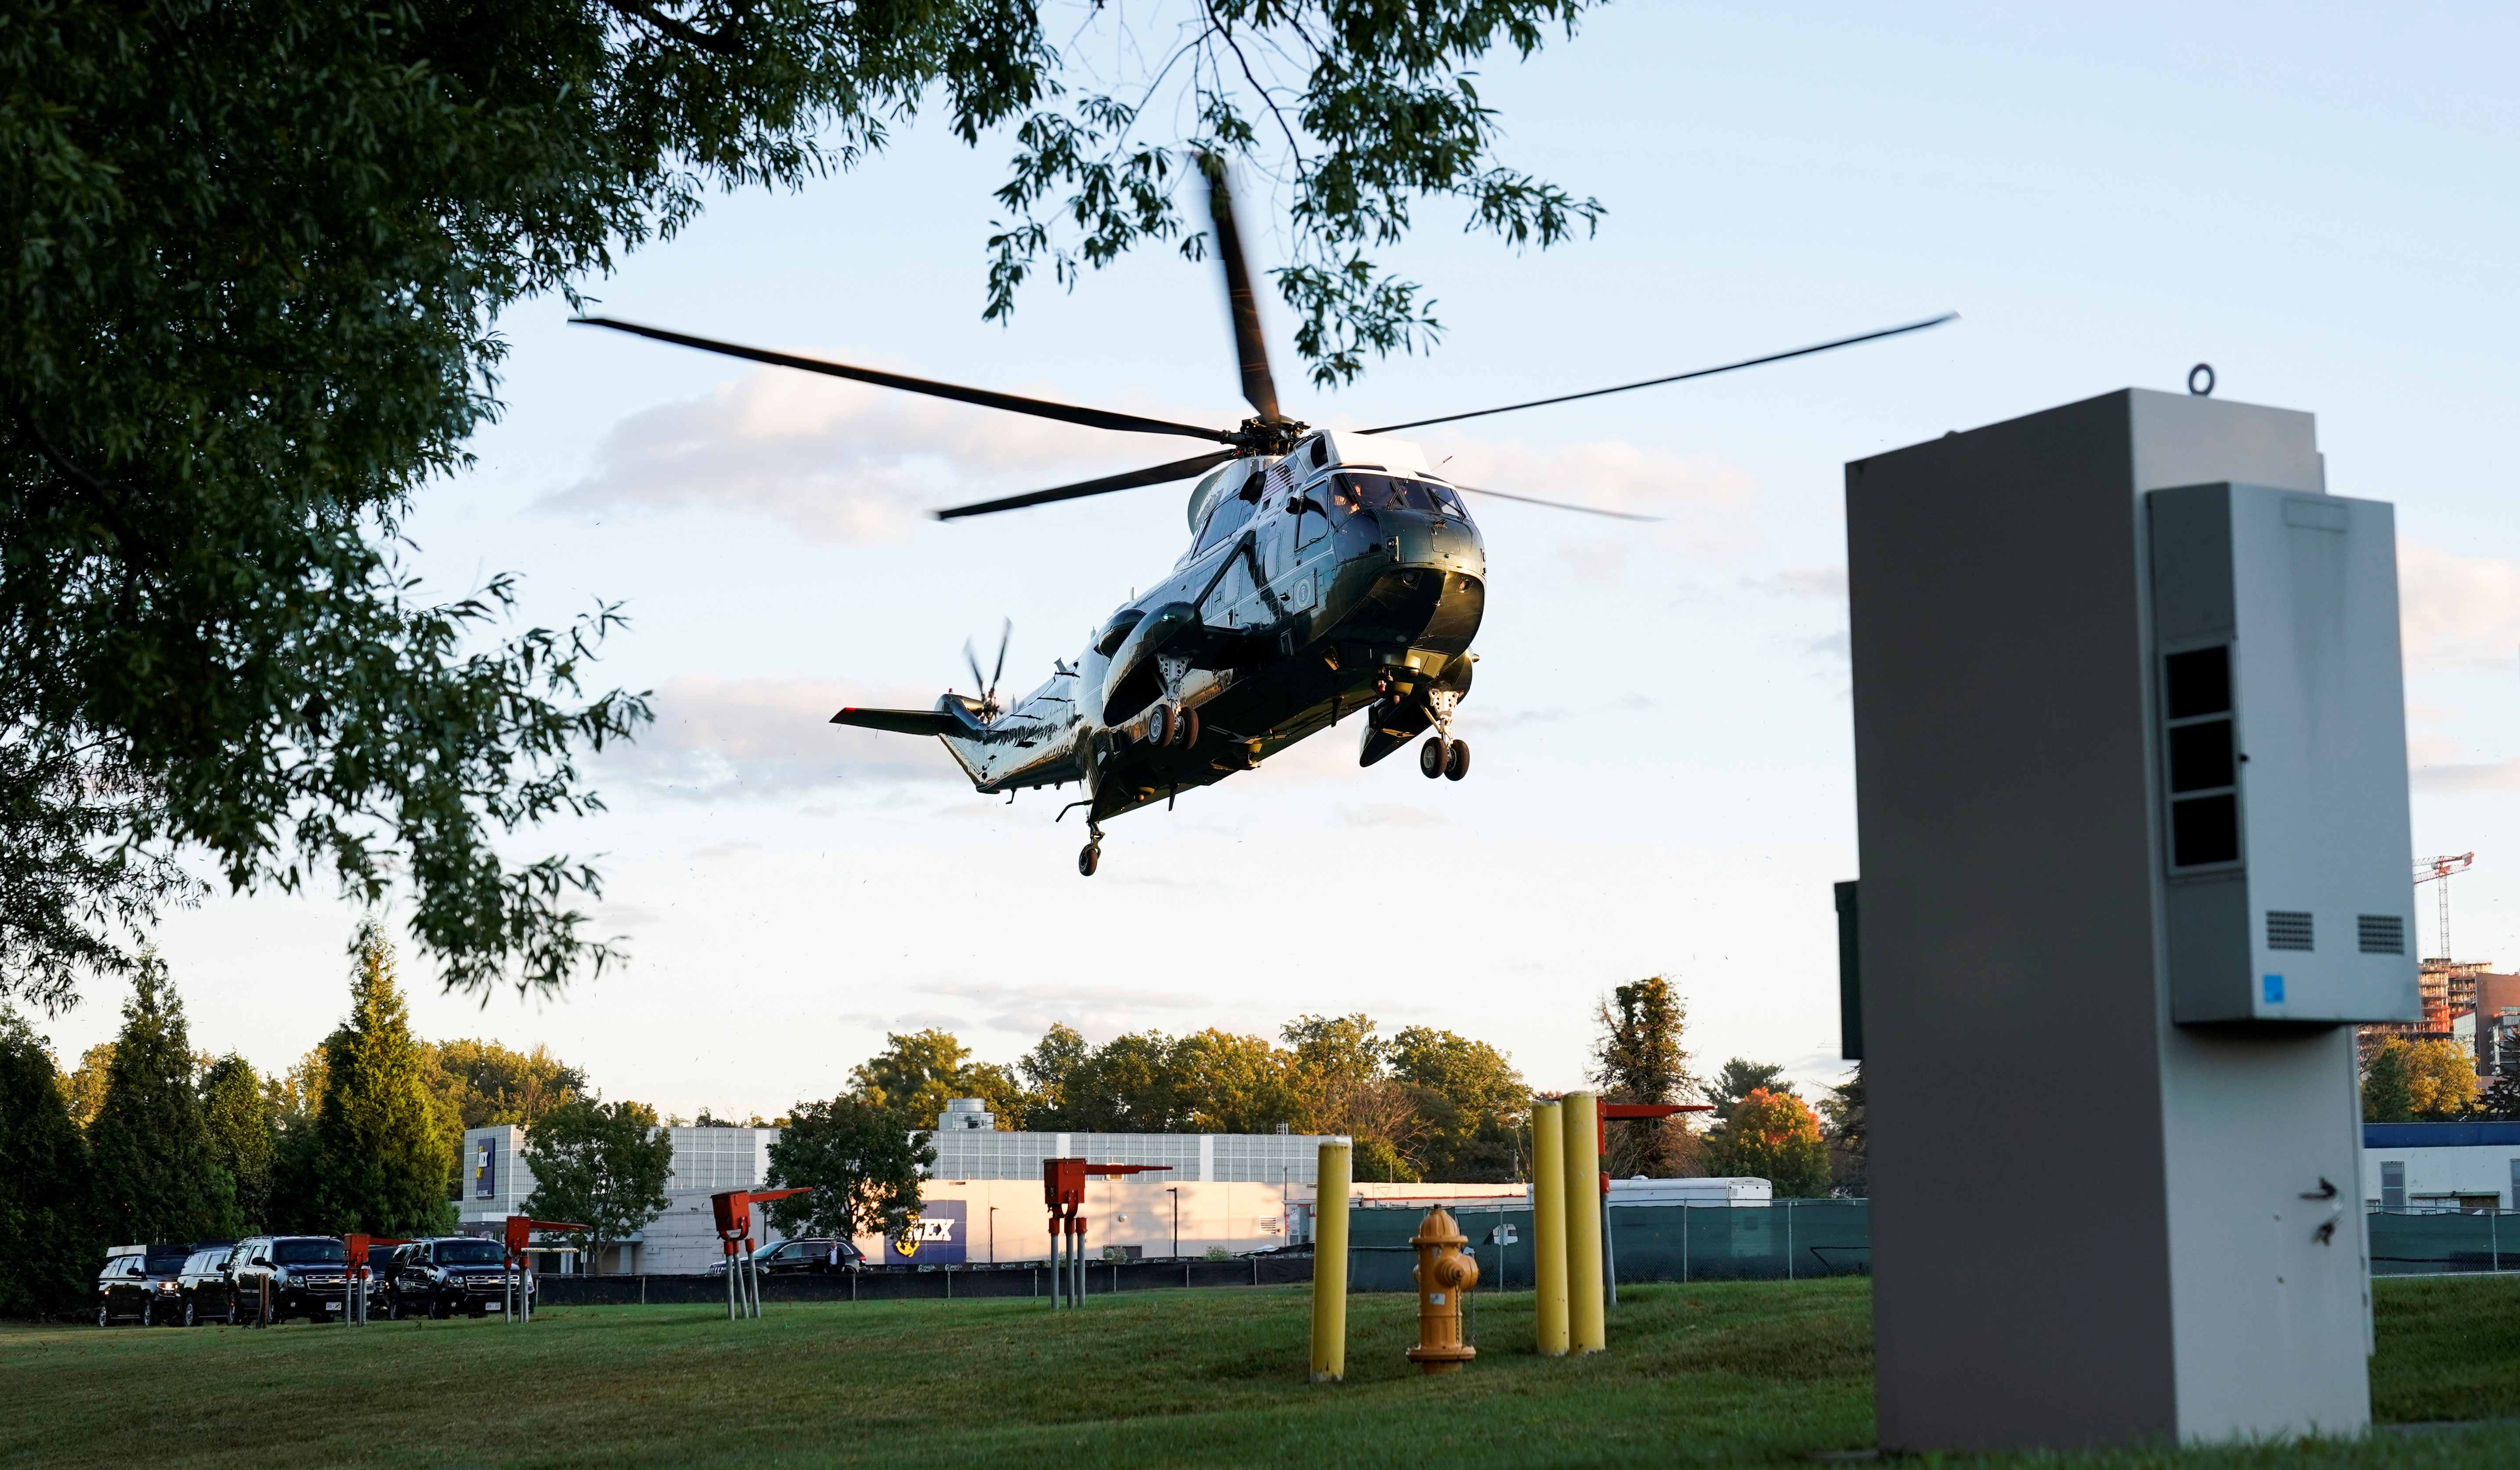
(2274, 989)
(934, 1238)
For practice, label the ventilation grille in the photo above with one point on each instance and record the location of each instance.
(2382, 934)
(2288, 930)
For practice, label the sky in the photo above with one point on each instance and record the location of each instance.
(2317, 200)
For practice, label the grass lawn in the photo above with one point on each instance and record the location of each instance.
(1739, 1373)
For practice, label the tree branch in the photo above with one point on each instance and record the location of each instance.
(716, 43)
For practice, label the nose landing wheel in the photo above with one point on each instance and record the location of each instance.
(1438, 757)
(1092, 857)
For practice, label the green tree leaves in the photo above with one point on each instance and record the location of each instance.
(381, 1163)
(860, 1158)
(241, 1138)
(599, 1165)
(48, 1245)
(1772, 1136)
(157, 1173)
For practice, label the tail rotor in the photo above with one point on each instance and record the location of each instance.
(990, 708)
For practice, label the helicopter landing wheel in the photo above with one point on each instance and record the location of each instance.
(1167, 728)
(1089, 859)
(1430, 757)
(1457, 760)
(1189, 728)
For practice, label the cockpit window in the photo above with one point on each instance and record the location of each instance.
(1352, 493)
(1230, 515)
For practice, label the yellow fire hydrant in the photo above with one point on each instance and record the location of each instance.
(1443, 1275)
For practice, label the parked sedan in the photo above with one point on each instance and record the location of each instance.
(809, 1256)
(202, 1290)
(140, 1286)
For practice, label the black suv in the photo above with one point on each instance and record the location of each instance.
(140, 1286)
(451, 1273)
(202, 1290)
(301, 1273)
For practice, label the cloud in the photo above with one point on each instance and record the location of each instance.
(717, 738)
(1387, 814)
(2456, 611)
(716, 850)
(1100, 1011)
(2456, 778)
(843, 462)
(1813, 581)
(850, 462)
(1704, 500)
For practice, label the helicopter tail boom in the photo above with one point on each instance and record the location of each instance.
(902, 722)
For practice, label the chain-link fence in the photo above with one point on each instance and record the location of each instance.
(1789, 1240)
(2432, 1242)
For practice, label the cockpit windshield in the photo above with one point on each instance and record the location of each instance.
(1352, 493)
(1230, 515)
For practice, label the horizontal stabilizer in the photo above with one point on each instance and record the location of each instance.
(901, 721)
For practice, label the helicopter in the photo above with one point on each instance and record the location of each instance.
(1329, 573)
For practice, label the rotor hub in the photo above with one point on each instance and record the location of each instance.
(1259, 436)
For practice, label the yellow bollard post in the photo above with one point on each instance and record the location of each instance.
(1329, 1261)
(1586, 1328)
(1549, 1227)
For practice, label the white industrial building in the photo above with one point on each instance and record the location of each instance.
(982, 1200)
(2440, 1166)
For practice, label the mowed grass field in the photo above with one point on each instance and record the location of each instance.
(1741, 1373)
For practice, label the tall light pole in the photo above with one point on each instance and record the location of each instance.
(993, 1235)
(1175, 1192)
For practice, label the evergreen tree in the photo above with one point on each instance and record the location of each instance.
(157, 1176)
(2388, 1091)
(380, 1164)
(84, 1088)
(1638, 1058)
(48, 1247)
(599, 1165)
(241, 1139)
(1850, 1127)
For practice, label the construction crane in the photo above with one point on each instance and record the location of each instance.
(2432, 869)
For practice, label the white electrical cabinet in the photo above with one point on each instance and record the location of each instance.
(2283, 756)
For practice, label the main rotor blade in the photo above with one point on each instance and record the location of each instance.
(1818, 347)
(1040, 408)
(1180, 469)
(1558, 505)
(1251, 349)
(979, 686)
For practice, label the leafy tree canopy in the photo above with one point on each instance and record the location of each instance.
(599, 1165)
(860, 1158)
(1771, 1136)
(83, 1090)
(1638, 1057)
(253, 256)
(1738, 1079)
(2407, 1080)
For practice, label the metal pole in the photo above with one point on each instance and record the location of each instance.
(1684, 1208)
(1789, 1240)
(1548, 1228)
(1609, 1256)
(732, 1264)
(1586, 1332)
(1329, 1261)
